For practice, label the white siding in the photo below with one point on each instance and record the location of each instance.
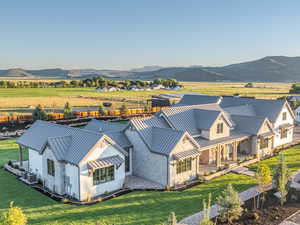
(87, 189)
(72, 180)
(146, 164)
(277, 140)
(35, 163)
(297, 114)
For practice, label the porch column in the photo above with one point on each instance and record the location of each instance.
(218, 156)
(21, 155)
(234, 153)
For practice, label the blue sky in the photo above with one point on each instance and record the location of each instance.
(132, 33)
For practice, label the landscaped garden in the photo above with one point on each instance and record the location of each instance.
(136, 208)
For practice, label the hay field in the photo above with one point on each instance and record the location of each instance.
(57, 97)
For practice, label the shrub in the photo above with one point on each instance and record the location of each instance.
(264, 178)
(206, 215)
(68, 111)
(13, 216)
(39, 113)
(230, 204)
(172, 219)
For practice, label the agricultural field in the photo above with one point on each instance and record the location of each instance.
(136, 208)
(57, 97)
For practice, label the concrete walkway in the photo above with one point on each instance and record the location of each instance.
(196, 218)
(292, 220)
(244, 171)
(139, 183)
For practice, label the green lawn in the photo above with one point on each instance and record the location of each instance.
(136, 208)
(292, 156)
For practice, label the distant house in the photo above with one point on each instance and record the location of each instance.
(157, 87)
(108, 89)
(249, 85)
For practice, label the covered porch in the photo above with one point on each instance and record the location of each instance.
(225, 155)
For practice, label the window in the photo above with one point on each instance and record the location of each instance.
(283, 133)
(184, 165)
(103, 175)
(127, 160)
(284, 116)
(50, 167)
(219, 128)
(264, 142)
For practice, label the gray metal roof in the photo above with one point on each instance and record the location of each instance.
(105, 162)
(248, 124)
(196, 99)
(157, 135)
(69, 144)
(103, 126)
(261, 107)
(186, 154)
(113, 130)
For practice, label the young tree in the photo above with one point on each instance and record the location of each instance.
(172, 219)
(206, 208)
(231, 204)
(264, 179)
(124, 110)
(281, 178)
(39, 113)
(68, 111)
(13, 216)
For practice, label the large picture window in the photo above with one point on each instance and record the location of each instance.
(264, 142)
(219, 128)
(103, 175)
(50, 167)
(184, 165)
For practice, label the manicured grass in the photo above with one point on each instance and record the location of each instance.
(292, 156)
(136, 208)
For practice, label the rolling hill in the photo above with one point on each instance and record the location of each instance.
(267, 69)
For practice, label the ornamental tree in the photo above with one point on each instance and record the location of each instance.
(230, 204)
(13, 216)
(281, 178)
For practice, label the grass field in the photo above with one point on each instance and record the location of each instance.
(136, 208)
(49, 97)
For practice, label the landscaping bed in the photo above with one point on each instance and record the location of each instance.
(271, 212)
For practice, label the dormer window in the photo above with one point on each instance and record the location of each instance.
(284, 116)
(220, 128)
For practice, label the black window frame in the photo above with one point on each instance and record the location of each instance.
(264, 143)
(283, 133)
(103, 175)
(127, 160)
(50, 167)
(220, 128)
(184, 165)
(284, 116)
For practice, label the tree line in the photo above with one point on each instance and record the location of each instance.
(97, 82)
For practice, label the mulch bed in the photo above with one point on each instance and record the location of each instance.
(271, 213)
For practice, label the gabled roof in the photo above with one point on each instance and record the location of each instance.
(261, 107)
(249, 124)
(196, 99)
(68, 144)
(112, 129)
(194, 118)
(103, 126)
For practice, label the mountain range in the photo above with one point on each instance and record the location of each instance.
(267, 69)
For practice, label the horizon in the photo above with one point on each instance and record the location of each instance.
(125, 35)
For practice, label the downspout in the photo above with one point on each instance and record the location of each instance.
(79, 192)
(168, 171)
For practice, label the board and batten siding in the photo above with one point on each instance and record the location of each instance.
(87, 188)
(146, 164)
(175, 179)
(277, 139)
(35, 163)
(72, 180)
(54, 183)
